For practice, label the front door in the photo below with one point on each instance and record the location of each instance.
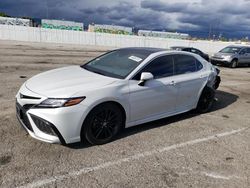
(157, 96)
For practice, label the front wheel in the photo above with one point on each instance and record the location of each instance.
(206, 100)
(234, 63)
(102, 124)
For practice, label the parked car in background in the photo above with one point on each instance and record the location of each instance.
(232, 56)
(122, 88)
(192, 50)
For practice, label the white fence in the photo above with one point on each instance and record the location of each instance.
(33, 34)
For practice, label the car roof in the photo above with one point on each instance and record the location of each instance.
(180, 47)
(147, 50)
(150, 51)
(238, 46)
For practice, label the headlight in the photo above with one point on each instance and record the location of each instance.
(226, 57)
(56, 103)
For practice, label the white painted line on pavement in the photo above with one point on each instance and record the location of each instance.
(86, 170)
(214, 175)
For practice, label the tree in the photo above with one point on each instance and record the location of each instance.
(3, 14)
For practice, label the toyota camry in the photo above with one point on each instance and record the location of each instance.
(120, 89)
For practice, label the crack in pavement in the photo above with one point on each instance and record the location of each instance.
(86, 170)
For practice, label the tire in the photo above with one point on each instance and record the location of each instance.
(102, 124)
(234, 63)
(206, 100)
(213, 63)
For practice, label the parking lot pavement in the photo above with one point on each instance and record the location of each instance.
(188, 150)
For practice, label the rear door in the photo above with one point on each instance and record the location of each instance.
(189, 80)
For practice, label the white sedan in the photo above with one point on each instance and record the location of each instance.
(120, 89)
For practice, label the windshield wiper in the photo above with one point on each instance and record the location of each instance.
(97, 72)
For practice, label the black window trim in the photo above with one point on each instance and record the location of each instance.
(196, 60)
(243, 49)
(132, 78)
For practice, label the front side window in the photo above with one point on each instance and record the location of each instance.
(243, 51)
(160, 67)
(184, 64)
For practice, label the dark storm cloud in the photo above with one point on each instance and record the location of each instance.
(226, 16)
(21, 7)
(161, 6)
(38, 9)
(124, 13)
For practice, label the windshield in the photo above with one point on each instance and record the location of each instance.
(117, 63)
(231, 50)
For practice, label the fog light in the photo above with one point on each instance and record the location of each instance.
(43, 125)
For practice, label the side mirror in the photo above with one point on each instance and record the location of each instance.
(145, 76)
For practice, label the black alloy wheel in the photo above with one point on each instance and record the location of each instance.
(103, 123)
(206, 100)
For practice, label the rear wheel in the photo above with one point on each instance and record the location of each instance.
(234, 63)
(206, 100)
(102, 124)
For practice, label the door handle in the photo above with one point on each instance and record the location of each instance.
(202, 76)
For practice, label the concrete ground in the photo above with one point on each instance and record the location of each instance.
(188, 150)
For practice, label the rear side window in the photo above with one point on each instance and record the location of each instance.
(199, 66)
(184, 64)
(160, 67)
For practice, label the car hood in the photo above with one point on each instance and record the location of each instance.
(219, 54)
(65, 82)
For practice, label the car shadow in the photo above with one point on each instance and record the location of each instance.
(223, 99)
(241, 66)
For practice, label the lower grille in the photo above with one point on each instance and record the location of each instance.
(216, 62)
(43, 125)
(21, 113)
(219, 58)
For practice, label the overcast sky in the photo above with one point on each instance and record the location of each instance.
(229, 17)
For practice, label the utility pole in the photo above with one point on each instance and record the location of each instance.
(210, 31)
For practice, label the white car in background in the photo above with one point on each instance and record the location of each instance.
(122, 88)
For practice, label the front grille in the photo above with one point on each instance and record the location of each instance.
(217, 57)
(21, 113)
(216, 62)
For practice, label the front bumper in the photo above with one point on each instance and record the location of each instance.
(52, 125)
(216, 61)
(29, 124)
